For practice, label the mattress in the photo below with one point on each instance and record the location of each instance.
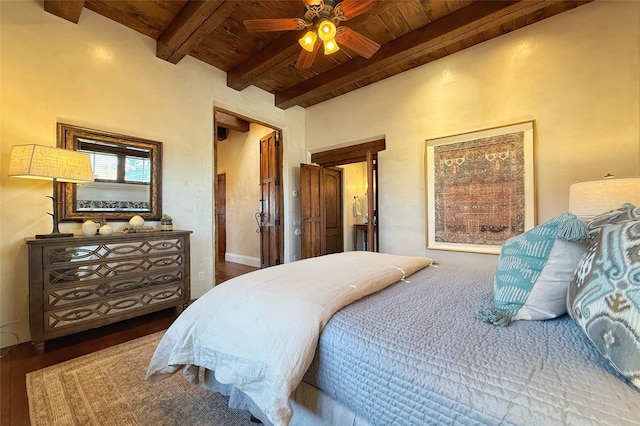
(414, 354)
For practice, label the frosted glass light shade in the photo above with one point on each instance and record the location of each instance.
(308, 41)
(330, 46)
(48, 163)
(590, 198)
(326, 30)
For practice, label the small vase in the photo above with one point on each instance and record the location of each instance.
(166, 226)
(89, 228)
(106, 230)
(136, 221)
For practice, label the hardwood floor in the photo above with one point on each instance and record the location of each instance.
(20, 359)
(227, 270)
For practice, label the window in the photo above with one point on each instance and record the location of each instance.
(137, 170)
(116, 164)
(105, 166)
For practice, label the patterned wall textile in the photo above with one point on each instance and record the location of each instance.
(604, 296)
(479, 190)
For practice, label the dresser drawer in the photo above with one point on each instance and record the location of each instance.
(99, 289)
(104, 308)
(108, 251)
(65, 273)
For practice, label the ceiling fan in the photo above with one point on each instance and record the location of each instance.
(321, 19)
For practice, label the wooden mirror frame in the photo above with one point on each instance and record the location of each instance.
(67, 138)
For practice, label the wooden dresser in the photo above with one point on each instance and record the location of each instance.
(78, 283)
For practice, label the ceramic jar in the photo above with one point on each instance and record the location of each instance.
(106, 230)
(136, 221)
(89, 228)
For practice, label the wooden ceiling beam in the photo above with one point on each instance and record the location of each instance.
(66, 9)
(348, 155)
(195, 21)
(247, 72)
(231, 122)
(251, 70)
(461, 24)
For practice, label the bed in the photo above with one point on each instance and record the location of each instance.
(414, 353)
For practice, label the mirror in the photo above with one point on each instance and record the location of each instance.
(127, 173)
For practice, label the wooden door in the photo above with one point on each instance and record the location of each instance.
(221, 215)
(270, 194)
(334, 234)
(313, 241)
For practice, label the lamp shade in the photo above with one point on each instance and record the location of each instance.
(326, 30)
(590, 198)
(49, 163)
(308, 41)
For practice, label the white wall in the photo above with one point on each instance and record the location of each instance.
(577, 75)
(112, 191)
(99, 74)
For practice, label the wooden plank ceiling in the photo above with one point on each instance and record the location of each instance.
(411, 33)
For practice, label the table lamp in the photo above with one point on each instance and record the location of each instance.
(590, 198)
(54, 164)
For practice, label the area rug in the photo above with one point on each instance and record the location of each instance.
(108, 387)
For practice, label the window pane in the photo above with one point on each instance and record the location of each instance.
(137, 169)
(105, 166)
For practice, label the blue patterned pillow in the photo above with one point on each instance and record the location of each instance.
(623, 213)
(534, 270)
(604, 296)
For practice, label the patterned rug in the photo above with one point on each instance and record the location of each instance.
(108, 387)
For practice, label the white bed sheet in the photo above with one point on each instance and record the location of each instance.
(258, 332)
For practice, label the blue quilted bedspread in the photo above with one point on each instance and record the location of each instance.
(414, 354)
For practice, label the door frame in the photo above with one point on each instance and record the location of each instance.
(230, 119)
(364, 152)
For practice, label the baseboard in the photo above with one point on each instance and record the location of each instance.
(243, 260)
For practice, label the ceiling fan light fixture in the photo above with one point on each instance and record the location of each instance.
(326, 31)
(330, 46)
(308, 40)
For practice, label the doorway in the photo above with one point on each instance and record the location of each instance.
(318, 188)
(249, 195)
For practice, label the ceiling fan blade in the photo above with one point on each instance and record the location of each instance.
(348, 9)
(276, 24)
(355, 41)
(306, 58)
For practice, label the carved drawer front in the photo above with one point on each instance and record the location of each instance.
(102, 252)
(68, 296)
(63, 274)
(100, 309)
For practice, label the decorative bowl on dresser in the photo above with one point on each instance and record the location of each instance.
(79, 283)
